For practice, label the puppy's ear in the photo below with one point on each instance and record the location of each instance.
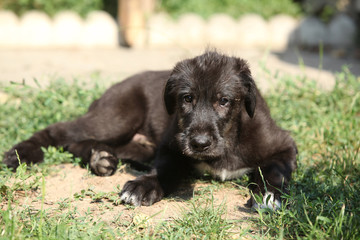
(249, 85)
(169, 96)
(250, 97)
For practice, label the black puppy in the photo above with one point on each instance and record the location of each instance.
(214, 119)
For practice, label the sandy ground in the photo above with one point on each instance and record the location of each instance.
(115, 64)
(67, 180)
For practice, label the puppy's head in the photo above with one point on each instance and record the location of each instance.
(209, 94)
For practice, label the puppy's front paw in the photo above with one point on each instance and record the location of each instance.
(103, 163)
(269, 201)
(144, 190)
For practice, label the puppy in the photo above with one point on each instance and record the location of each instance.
(210, 118)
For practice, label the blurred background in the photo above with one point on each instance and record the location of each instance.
(120, 37)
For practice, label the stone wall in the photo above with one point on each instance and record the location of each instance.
(250, 31)
(98, 29)
(66, 30)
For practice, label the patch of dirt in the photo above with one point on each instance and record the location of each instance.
(113, 65)
(67, 180)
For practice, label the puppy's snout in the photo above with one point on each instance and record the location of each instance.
(200, 142)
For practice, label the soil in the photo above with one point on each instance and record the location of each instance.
(67, 180)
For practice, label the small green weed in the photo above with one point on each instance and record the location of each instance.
(203, 220)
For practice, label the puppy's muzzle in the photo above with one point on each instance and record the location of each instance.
(200, 142)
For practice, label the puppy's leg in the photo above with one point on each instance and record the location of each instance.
(170, 170)
(101, 124)
(103, 159)
(100, 157)
(272, 179)
(139, 149)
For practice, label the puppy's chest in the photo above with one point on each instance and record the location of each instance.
(222, 173)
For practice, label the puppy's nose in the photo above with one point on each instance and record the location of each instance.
(200, 142)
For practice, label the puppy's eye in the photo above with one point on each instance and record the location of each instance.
(223, 101)
(188, 98)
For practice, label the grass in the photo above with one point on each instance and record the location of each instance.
(327, 129)
(234, 8)
(323, 199)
